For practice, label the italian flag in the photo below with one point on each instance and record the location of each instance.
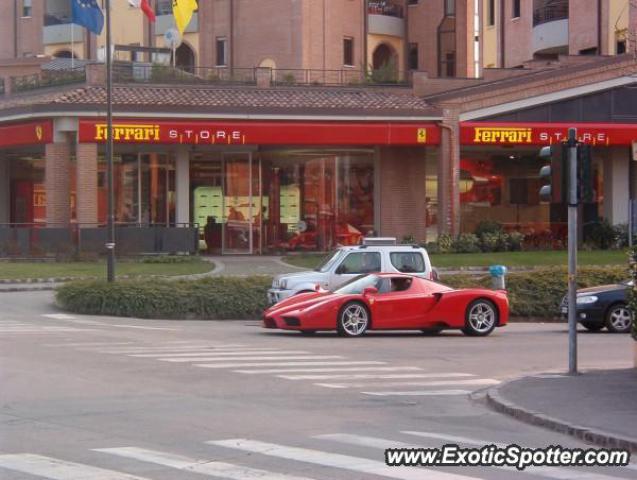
(145, 6)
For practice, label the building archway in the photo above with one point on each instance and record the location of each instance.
(385, 63)
(185, 58)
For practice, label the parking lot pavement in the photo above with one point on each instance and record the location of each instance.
(112, 398)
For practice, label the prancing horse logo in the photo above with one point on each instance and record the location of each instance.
(38, 132)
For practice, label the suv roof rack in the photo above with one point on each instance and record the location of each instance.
(376, 241)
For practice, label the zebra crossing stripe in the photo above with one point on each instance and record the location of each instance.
(168, 350)
(452, 438)
(367, 376)
(285, 364)
(383, 443)
(326, 370)
(56, 469)
(478, 382)
(205, 467)
(419, 393)
(336, 460)
(274, 357)
(202, 353)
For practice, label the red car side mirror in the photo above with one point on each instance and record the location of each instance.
(370, 291)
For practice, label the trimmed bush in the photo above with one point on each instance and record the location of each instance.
(538, 293)
(488, 226)
(218, 298)
(535, 293)
(466, 243)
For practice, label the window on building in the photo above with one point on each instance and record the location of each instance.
(348, 51)
(26, 8)
(413, 56)
(450, 8)
(620, 47)
(450, 64)
(221, 47)
(490, 13)
(588, 51)
(412, 2)
(517, 9)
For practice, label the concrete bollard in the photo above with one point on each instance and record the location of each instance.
(498, 273)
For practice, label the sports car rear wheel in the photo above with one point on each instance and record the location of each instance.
(618, 318)
(481, 318)
(353, 319)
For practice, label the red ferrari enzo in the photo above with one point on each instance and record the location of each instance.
(387, 301)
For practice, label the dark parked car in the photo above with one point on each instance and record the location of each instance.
(604, 306)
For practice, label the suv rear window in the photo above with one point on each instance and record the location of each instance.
(408, 262)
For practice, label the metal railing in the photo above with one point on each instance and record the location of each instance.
(551, 10)
(381, 7)
(40, 240)
(48, 78)
(148, 73)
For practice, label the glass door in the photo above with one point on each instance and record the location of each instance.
(241, 204)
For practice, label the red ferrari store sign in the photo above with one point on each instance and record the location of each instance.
(26, 134)
(603, 134)
(261, 133)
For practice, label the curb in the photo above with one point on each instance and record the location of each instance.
(589, 435)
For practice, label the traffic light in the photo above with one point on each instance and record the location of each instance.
(585, 192)
(555, 173)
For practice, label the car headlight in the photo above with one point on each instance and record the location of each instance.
(587, 300)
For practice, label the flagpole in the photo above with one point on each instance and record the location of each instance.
(110, 242)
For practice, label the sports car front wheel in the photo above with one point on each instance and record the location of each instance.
(481, 318)
(353, 319)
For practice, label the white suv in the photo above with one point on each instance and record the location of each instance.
(374, 255)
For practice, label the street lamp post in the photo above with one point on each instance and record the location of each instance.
(110, 241)
(572, 250)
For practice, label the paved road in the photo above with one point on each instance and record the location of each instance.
(119, 399)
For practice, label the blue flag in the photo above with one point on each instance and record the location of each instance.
(88, 14)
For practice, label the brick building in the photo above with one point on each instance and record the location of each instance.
(271, 167)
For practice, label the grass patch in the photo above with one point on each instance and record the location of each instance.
(170, 266)
(531, 294)
(510, 259)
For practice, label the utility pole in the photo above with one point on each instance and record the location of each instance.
(110, 227)
(572, 250)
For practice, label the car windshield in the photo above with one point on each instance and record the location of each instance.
(328, 261)
(358, 284)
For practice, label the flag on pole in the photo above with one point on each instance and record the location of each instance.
(145, 6)
(88, 14)
(183, 10)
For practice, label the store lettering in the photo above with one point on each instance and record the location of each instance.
(205, 135)
(586, 137)
(503, 135)
(127, 133)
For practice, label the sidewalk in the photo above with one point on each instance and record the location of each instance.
(599, 407)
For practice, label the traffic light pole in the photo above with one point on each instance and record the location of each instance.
(572, 251)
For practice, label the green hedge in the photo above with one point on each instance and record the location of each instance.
(538, 293)
(219, 298)
(532, 294)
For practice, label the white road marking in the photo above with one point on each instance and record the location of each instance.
(205, 467)
(55, 469)
(442, 383)
(86, 344)
(364, 376)
(59, 316)
(419, 393)
(141, 327)
(264, 357)
(560, 473)
(336, 460)
(452, 438)
(285, 364)
(155, 349)
(202, 353)
(336, 369)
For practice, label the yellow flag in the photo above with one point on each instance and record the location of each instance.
(182, 10)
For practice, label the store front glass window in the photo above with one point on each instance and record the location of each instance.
(502, 185)
(144, 189)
